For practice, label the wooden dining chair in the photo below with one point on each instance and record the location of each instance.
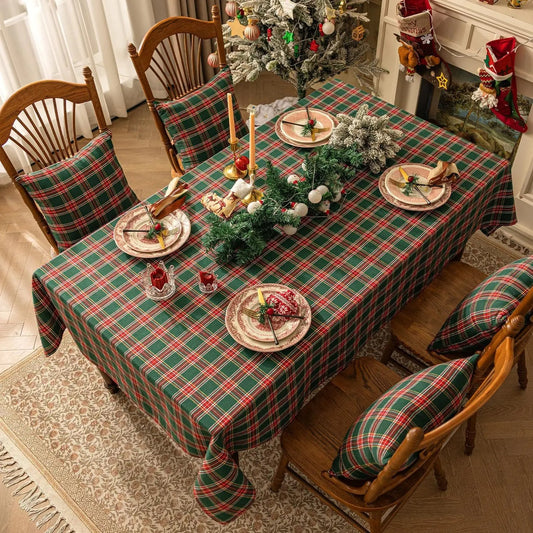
(73, 189)
(318, 440)
(191, 115)
(415, 328)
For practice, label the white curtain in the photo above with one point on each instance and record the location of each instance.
(55, 39)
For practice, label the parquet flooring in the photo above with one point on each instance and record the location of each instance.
(502, 462)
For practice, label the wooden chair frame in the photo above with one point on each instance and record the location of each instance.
(171, 52)
(398, 341)
(40, 118)
(378, 501)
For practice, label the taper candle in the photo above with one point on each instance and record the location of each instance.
(252, 140)
(232, 136)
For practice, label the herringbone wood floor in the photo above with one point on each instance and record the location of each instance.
(505, 439)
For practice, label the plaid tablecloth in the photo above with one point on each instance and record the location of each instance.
(356, 268)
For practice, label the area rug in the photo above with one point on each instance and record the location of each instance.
(79, 459)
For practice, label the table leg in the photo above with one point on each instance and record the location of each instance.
(109, 384)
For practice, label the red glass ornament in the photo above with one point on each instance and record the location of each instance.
(252, 32)
(241, 162)
(313, 46)
(320, 30)
(269, 33)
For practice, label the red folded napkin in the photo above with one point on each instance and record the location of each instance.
(283, 303)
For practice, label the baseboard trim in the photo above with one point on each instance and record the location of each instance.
(516, 239)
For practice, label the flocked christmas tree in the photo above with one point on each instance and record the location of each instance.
(303, 42)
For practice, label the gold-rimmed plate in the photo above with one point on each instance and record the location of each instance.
(234, 323)
(174, 220)
(391, 187)
(300, 141)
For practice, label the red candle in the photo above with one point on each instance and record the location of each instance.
(158, 277)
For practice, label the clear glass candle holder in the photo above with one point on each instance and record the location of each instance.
(152, 285)
(207, 282)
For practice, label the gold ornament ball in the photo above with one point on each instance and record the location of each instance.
(231, 9)
(251, 32)
(212, 60)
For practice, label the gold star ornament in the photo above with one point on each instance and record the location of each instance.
(443, 81)
(237, 29)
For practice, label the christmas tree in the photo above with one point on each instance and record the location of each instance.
(303, 42)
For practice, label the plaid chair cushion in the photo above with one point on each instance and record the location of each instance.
(425, 399)
(484, 311)
(197, 124)
(82, 193)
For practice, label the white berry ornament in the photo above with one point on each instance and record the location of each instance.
(324, 207)
(338, 196)
(300, 209)
(328, 27)
(289, 230)
(253, 207)
(314, 196)
(322, 189)
(293, 178)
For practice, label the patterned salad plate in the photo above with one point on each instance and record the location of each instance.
(293, 134)
(391, 185)
(251, 334)
(138, 245)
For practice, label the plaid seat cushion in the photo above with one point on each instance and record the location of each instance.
(197, 124)
(82, 193)
(425, 399)
(484, 311)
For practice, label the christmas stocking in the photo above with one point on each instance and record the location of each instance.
(497, 90)
(418, 52)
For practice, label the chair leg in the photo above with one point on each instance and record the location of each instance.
(109, 384)
(277, 480)
(389, 349)
(440, 475)
(521, 370)
(470, 435)
(375, 522)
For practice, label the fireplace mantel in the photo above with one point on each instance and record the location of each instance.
(463, 27)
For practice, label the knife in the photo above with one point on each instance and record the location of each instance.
(417, 187)
(261, 299)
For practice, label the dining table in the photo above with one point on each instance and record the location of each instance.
(356, 267)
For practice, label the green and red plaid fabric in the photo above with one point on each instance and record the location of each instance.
(426, 400)
(82, 193)
(356, 267)
(484, 311)
(197, 124)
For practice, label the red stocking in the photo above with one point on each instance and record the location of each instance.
(497, 90)
(418, 52)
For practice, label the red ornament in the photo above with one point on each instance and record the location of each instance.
(270, 311)
(241, 162)
(410, 179)
(320, 30)
(157, 227)
(313, 46)
(269, 33)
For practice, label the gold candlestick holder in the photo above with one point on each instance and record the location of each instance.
(254, 194)
(231, 171)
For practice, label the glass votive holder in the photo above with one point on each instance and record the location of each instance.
(207, 282)
(158, 281)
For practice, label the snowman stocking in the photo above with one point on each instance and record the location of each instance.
(497, 90)
(418, 52)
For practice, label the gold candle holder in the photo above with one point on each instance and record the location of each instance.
(254, 194)
(231, 171)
